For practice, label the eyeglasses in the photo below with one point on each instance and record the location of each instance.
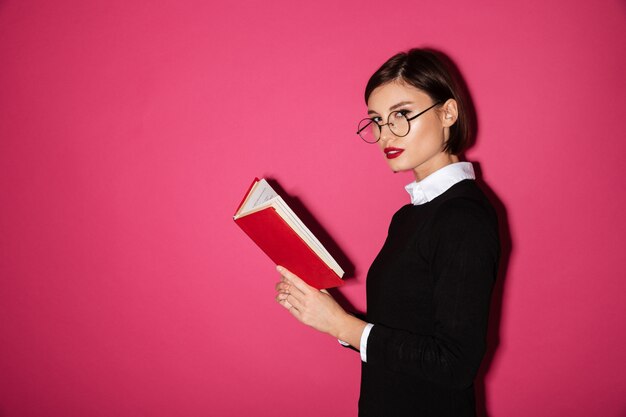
(399, 124)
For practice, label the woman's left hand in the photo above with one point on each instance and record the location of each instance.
(313, 307)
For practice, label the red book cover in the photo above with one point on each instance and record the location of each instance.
(283, 245)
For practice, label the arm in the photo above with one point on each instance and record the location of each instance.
(317, 309)
(463, 258)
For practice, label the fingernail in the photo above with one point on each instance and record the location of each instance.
(279, 268)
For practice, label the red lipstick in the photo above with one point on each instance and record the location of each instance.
(391, 153)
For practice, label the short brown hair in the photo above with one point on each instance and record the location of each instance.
(433, 73)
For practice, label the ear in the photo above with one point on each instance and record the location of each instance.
(449, 112)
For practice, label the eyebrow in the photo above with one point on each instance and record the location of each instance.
(392, 108)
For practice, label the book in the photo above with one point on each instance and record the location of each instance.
(267, 219)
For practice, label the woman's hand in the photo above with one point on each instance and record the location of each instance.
(317, 308)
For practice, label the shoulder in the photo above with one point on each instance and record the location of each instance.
(465, 210)
(465, 199)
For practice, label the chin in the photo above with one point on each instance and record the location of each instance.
(399, 167)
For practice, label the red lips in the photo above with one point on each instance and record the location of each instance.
(391, 153)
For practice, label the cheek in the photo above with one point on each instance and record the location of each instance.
(426, 133)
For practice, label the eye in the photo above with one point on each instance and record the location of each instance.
(376, 119)
(402, 113)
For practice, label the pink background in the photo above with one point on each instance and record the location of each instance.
(130, 129)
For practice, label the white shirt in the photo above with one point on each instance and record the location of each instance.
(422, 192)
(439, 182)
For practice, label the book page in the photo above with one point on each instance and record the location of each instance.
(260, 194)
(305, 234)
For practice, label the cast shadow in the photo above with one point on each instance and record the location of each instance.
(314, 226)
(324, 237)
(495, 312)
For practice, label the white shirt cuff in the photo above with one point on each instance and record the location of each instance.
(364, 336)
(363, 341)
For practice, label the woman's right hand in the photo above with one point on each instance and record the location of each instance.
(317, 308)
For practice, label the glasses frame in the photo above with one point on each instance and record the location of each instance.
(380, 127)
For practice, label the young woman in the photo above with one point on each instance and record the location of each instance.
(429, 288)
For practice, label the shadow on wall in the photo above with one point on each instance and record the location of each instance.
(495, 312)
(322, 235)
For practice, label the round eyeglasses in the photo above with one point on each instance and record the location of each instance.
(398, 122)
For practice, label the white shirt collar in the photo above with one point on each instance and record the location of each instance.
(439, 181)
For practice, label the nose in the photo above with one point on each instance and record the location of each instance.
(385, 133)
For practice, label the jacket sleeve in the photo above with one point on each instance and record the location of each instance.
(463, 256)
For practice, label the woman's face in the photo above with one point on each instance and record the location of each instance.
(421, 150)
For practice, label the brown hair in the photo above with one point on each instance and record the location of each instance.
(433, 73)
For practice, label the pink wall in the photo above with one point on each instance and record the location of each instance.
(130, 129)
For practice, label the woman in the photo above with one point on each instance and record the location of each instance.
(429, 288)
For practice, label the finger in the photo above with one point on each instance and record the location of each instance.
(295, 280)
(294, 301)
(285, 289)
(324, 291)
(290, 286)
(283, 302)
(295, 312)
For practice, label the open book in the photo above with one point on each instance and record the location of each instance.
(275, 228)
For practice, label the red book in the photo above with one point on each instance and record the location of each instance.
(275, 228)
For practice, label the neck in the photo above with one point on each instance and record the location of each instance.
(433, 165)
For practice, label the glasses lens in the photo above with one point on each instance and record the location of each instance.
(399, 124)
(368, 130)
